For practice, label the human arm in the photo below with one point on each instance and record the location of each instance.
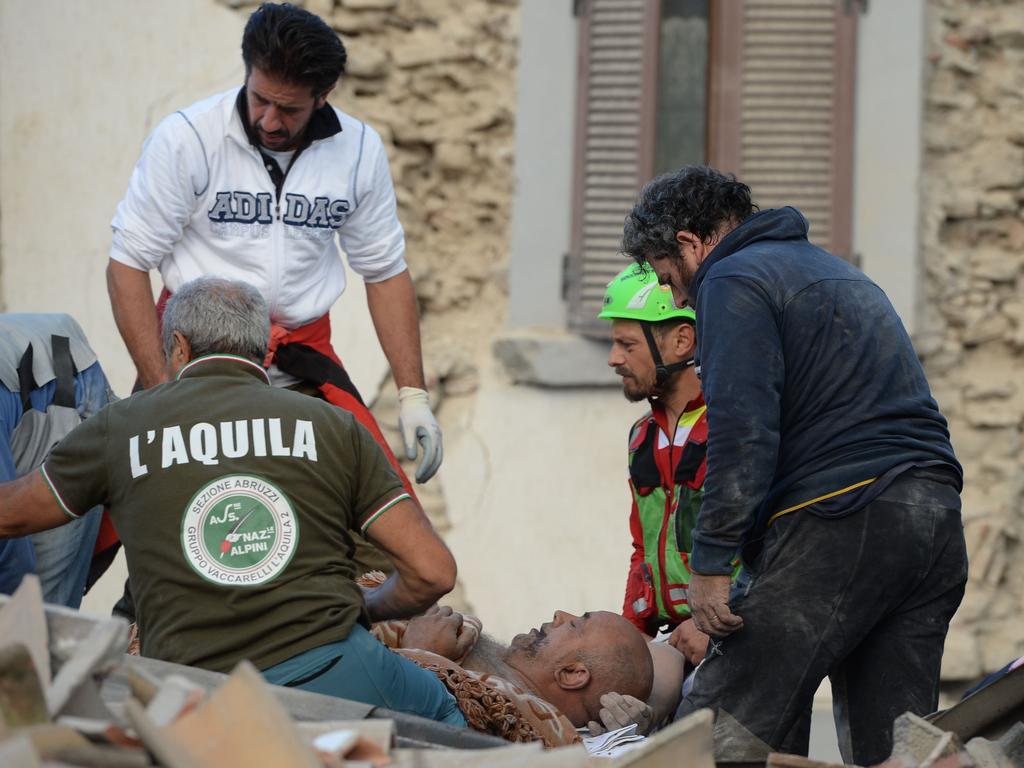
(440, 630)
(637, 605)
(374, 242)
(424, 568)
(150, 220)
(392, 304)
(28, 506)
(131, 300)
(742, 377)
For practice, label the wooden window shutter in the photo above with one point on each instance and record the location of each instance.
(614, 144)
(781, 107)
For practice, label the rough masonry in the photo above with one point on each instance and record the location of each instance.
(971, 313)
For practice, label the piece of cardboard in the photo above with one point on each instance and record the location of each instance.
(156, 739)
(99, 651)
(243, 720)
(175, 696)
(23, 620)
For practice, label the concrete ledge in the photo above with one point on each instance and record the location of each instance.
(547, 357)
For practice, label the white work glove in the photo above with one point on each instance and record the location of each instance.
(417, 424)
(619, 710)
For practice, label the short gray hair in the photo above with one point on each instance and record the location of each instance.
(218, 316)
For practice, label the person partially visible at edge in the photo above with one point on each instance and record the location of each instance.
(50, 381)
(829, 469)
(234, 501)
(261, 183)
(653, 344)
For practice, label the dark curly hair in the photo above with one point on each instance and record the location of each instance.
(695, 199)
(284, 40)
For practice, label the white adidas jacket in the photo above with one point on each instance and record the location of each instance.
(201, 202)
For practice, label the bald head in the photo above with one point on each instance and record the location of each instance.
(572, 661)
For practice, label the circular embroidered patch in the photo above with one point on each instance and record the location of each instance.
(239, 530)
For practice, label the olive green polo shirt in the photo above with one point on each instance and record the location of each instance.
(233, 500)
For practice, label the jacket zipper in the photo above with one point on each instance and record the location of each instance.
(277, 232)
(662, 535)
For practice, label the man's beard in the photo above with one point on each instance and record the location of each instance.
(633, 394)
(637, 393)
(632, 389)
(686, 276)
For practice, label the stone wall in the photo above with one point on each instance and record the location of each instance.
(971, 321)
(436, 78)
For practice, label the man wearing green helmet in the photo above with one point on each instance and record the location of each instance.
(653, 343)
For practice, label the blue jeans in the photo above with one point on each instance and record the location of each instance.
(361, 668)
(61, 556)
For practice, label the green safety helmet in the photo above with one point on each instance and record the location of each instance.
(634, 294)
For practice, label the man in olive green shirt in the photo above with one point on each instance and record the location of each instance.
(234, 501)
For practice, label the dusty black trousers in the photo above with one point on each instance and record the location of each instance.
(864, 599)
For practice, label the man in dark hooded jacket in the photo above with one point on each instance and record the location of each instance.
(829, 470)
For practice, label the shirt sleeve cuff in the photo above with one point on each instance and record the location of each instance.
(56, 494)
(710, 559)
(379, 276)
(373, 516)
(121, 256)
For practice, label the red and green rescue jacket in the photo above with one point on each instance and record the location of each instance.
(666, 480)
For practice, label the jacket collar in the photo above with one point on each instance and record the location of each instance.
(658, 408)
(322, 125)
(771, 224)
(223, 365)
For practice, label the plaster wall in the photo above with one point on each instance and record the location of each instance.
(887, 148)
(535, 481)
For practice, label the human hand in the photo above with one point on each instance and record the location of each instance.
(689, 641)
(417, 424)
(439, 631)
(618, 711)
(709, 604)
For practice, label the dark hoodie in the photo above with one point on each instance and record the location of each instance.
(812, 387)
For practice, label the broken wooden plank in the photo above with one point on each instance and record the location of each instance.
(988, 712)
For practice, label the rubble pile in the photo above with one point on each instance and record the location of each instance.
(970, 330)
(69, 696)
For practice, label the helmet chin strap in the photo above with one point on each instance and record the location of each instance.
(662, 371)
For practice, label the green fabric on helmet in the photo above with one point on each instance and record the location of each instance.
(634, 294)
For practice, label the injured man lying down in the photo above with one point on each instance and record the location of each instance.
(568, 673)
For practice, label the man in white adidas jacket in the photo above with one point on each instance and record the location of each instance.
(253, 185)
